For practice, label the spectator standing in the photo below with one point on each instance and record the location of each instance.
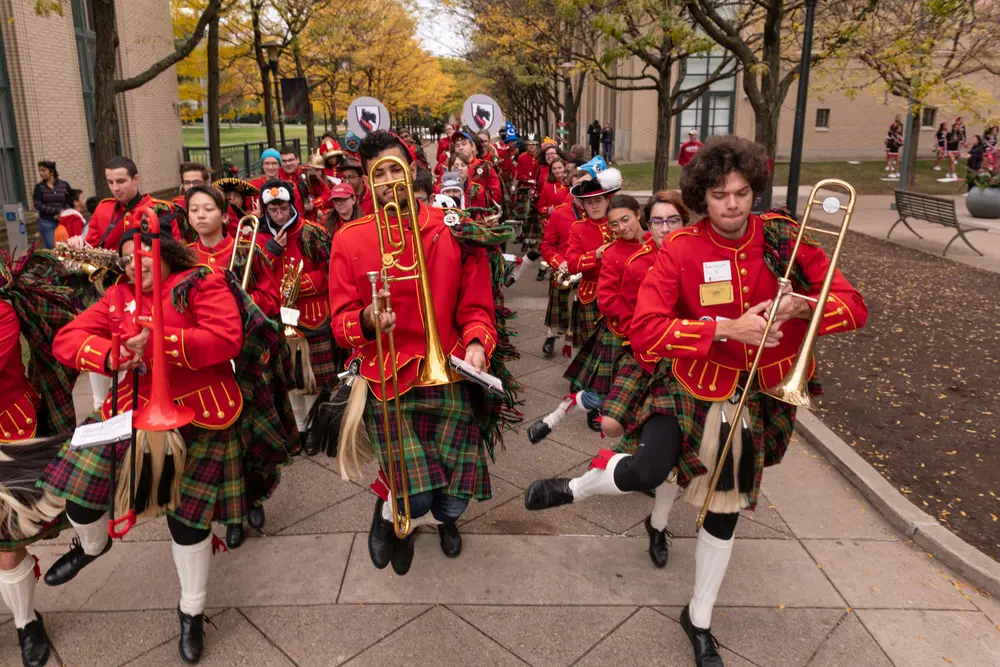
(576, 155)
(49, 200)
(608, 142)
(594, 134)
(689, 148)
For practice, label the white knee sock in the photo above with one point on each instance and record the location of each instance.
(554, 418)
(665, 494)
(711, 559)
(597, 482)
(525, 265)
(549, 333)
(93, 536)
(18, 589)
(100, 385)
(299, 409)
(192, 564)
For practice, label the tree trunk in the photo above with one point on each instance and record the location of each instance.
(661, 155)
(301, 73)
(105, 114)
(911, 164)
(215, 149)
(265, 75)
(766, 128)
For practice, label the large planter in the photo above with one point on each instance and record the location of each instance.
(983, 203)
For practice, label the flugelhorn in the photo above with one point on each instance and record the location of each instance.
(793, 388)
(289, 292)
(398, 226)
(246, 240)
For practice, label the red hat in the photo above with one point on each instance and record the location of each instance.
(342, 191)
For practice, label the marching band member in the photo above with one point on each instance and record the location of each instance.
(290, 241)
(589, 238)
(34, 403)
(445, 450)
(480, 171)
(350, 171)
(554, 191)
(242, 197)
(330, 151)
(528, 168)
(473, 193)
(314, 186)
(451, 186)
(202, 334)
(444, 146)
(697, 325)
(192, 174)
(271, 163)
(343, 207)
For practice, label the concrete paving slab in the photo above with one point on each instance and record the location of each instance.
(329, 634)
(805, 481)
(650, 638)
(273, 570)
(522, 462)
(764, 524)
(529, 343)
(927, 638)
(850, 644)
(886, 574)
(549, 380)
(575, 433)
(617, 514)
(83, 638)
(535, 405)
(349, 516)
(987, 604)
(528, 364)
(511, 518)
(305, 488)
(503, 492)
(545, 636)
(770, 636)
(233, 642)
(753, 579)
(72, 596)
(438, 638)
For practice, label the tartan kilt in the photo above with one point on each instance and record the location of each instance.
(592, 369)
(212, 488)
(584, 318)
(9, 543)
(441, 441)
(621, 403)
(557, 314)
(771, 425)
(265, 451)
(323, 358)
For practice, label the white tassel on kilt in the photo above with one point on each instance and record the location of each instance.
(24, 508)
(723, 502)
(354, 448)
(298, 346)
(160, 459)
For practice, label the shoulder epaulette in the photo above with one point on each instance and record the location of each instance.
(211, 269)
(644, 250)
(778, 215)
(683, 231)
(359, 221)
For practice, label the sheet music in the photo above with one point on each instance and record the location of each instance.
(491, 382)
(103, 433)
(290, 317)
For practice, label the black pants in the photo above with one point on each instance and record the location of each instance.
(182, 534)
(659, 451)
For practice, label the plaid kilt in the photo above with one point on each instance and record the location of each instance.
(771, 424)
(8, 543)
(441, 440)
(592, 369)
(584, 318)
(212, 488)
(627, 389)
(526, 213)
(557, 314)
(323, 358)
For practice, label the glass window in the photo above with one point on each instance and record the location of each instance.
(822, 118)
(928, 117)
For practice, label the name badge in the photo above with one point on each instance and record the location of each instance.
(716, 294)
(717, 272)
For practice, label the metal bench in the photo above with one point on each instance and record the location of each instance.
(935, 210)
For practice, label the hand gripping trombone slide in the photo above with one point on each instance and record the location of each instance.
(793, 388)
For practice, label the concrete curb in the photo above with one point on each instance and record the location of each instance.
(975, 566)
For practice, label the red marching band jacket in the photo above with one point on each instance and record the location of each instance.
(555, 238)
(585, 237)
(610, 299)
(460, 283)
(552, 195)
(18, 399)
(262, 287)
(700, 278)
(482, 172)
(199, 345)
(111, 218)
(312, 303)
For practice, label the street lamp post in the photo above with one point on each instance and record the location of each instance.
(801, 101)
(273, 49)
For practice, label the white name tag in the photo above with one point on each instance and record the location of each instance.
(290, 317)
(717, 272)
(103, 433)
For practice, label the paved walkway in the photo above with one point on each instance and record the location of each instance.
(817, 577)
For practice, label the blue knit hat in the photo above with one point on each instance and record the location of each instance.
(270, 152)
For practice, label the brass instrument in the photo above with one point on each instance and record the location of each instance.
(392, 221)
(97, 263)
(289, 292)
(246, 239)
(565, 280)
(793, 388)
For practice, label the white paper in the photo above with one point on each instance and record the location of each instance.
(717, 272)
(103, 433)
(509, 257)
(290, 317)
(491, 382)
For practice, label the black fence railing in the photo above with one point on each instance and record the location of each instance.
(244, 157)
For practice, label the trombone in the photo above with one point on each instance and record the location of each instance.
(793, 388)
(391, 222)
(246, 238)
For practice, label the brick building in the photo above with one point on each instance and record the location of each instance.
(47, 96)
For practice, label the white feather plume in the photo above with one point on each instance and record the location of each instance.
(610, 179)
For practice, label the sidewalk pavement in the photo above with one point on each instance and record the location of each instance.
(817, 578)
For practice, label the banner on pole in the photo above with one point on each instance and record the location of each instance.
(293, 99)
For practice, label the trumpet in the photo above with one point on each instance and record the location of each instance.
(246, 239)
(793, 388)
(392, 221)
(289, 292)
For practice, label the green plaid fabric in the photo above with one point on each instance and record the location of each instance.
(441, 440)
(593, 366)
(585, 317)
(780, 230)
(8, 543)
(630, 382)
(558, 311)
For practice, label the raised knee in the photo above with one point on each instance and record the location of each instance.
(611, 428)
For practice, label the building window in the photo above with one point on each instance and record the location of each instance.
(822, 119)
(11, 178)
(928, 116)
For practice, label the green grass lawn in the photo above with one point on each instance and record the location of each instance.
(865, 177)
(195, 135)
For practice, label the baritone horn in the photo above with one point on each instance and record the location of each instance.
(392, 221)
(793, 388)
(246, 240)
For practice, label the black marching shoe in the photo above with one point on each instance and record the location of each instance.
(538, 432)
(546, 493)
(256, 517)
(381, 538)
(594, 420)
(659, 541)
(704, 643)
(235, 535)
(451, 539)
(34, 642)
(192, 641)
(311, 442)
(542, 275)
(71, 562)
(402, 555)
(549, 346)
